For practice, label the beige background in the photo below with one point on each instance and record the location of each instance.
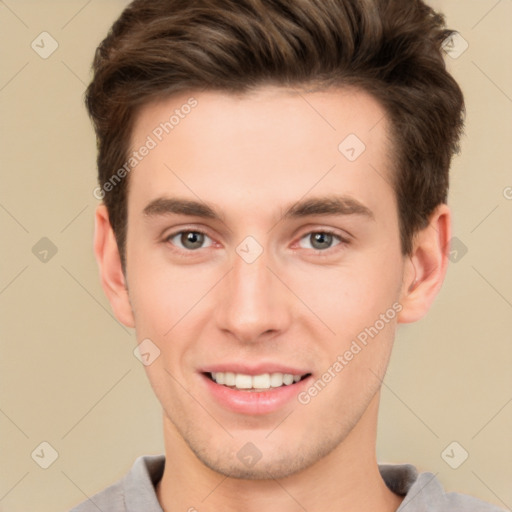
(68, 373)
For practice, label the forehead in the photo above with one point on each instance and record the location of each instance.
(331, 112)
(272, 144)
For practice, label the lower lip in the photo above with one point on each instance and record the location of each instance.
(255, 402)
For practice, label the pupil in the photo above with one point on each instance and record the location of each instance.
(192, 240)
(321, 238)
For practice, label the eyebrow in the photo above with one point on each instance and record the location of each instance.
(329, 205)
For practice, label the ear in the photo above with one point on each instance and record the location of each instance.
(111, 271)
(426, 267)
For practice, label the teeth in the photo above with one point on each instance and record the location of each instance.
(288, 379)
(276, 380)
(243, 381)
(263, 381)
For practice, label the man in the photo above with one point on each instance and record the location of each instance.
(274, 178)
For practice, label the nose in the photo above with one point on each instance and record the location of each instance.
(253, 304)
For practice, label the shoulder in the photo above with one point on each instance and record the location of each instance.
(135, 490)
(111, 499)
(424, 493)
(429, 487)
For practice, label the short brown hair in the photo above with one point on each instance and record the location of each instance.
(391, 49)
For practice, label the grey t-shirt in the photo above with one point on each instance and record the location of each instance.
(135, 492)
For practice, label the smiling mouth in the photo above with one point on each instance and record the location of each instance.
(262, 382)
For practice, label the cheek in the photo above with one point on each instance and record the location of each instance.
(350, 297)
(163, 306)
(171, 304)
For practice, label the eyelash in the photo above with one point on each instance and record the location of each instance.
(318, 252)
(343, 242)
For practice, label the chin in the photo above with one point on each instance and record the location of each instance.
(272, 462)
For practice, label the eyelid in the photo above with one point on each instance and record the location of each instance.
(342, 236)
(343, 242)
(168, 232)
(343, 239)
(166, 237)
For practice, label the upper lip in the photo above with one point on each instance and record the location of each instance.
(253, 369)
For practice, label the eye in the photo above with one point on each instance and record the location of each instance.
(189, 240)
(320, 240)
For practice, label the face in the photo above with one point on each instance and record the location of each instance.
(264, 263)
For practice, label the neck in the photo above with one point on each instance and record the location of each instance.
(347, 479)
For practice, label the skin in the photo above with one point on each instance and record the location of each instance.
(250, 157)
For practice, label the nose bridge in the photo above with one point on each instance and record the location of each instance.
(250, 280)
(252, 303)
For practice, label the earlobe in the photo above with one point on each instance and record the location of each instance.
(426, 268)
(111, 271)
